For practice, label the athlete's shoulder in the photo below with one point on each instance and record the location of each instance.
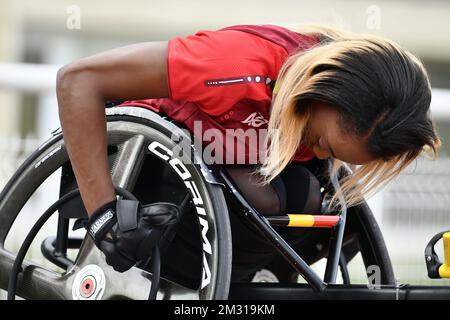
(218, 68)
(291, 41)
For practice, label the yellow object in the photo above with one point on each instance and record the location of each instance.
(444, 269)
(277, 87)
(300, 220)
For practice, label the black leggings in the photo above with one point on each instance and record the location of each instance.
(295, 190)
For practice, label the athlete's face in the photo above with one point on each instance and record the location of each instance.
(326, 139)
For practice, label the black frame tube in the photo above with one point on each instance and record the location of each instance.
(263, 225)
(334, 252)
(62, 236)
(337, 234)
(344, 269)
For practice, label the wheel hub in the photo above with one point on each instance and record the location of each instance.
(89, 283)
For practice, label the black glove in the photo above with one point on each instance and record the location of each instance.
(134, 229)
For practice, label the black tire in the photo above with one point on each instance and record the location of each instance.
(362, 235)
(130, 133)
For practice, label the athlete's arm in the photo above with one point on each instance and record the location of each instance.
(132, 72)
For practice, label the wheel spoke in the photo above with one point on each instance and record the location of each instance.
(132, 284)
(135, 284)
(128, 139)
(128, 162)
(34, 282)
(40, 283)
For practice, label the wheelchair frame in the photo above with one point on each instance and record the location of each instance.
(54, 250)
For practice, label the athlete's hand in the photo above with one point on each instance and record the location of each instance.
(126, 231)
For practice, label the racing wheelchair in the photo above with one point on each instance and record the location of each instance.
(144, 166)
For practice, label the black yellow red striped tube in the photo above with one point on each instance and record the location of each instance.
(304, 220)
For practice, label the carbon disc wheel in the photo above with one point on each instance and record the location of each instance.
(140, 148)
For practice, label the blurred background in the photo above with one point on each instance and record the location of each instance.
(37, 37)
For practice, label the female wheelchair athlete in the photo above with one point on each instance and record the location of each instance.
(197, 255)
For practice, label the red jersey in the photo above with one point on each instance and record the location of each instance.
(224, 79)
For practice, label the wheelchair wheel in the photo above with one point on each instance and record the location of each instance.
(139, 151)
(363, 240)
(362, 237)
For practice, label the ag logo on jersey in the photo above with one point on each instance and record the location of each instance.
(256, 120)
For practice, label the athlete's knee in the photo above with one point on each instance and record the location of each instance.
(295, 190)
(262, 197)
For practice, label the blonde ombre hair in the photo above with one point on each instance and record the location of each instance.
(381, 91)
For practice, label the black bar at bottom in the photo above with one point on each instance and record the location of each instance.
(277, 291)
